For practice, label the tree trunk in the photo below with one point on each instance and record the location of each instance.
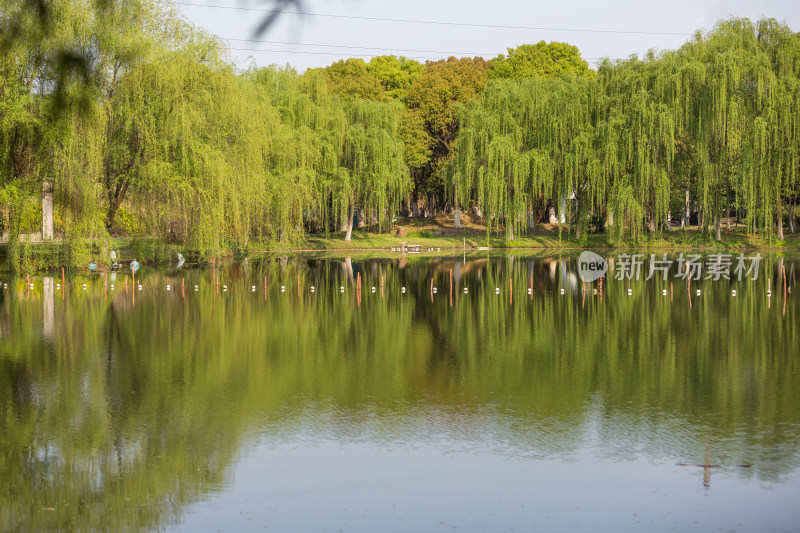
(349, 235)
(728, 213)
(111, 214)
(792, 221)
(509, 229)
(456, 213)
(609, 219)
(686, 213)
(562, 209)
(531, 218)
(780, 224)
(718, 226)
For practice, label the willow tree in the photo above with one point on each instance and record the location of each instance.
(41, 101)
(782, 49)
(524, 142)
(372, 172)
(305, 150)
(637, 138)
(143, 55)
(21, 121)
(737, 94)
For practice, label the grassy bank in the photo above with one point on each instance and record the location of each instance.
(439, 233)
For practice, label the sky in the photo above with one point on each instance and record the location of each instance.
(436, 29)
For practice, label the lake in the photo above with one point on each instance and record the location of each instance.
(450, 393)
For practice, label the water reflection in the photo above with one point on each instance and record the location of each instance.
(120, 407)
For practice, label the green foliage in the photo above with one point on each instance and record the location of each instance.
(158, 132)
(353, 77)
(717, 117)
(396, 74)
(542, 59)
(432, 101)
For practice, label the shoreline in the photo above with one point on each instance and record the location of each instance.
(49, 257)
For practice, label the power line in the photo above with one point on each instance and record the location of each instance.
(321, 53)
(423, 58)
(433, 22)
(362, 47)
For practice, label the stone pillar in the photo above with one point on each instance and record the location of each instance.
(47, 210)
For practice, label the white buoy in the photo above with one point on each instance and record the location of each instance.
(31, 285)
(466, 290)
(283, 289)
(84, 286)
(254, 288)
(630, 291)
(196, 289)
(140, 287)
(403, 290)
(341, 289)
(664, 292)
(530, 290)
(112, 286)
(562, 291)
(373, 289)
(312, 288)
(733, 292)
(435, 290)
(698, 292)
(58, 285)
(224, 287)
(594, 291)
(168, 288)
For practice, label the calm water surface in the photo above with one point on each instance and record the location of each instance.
(283, 409)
